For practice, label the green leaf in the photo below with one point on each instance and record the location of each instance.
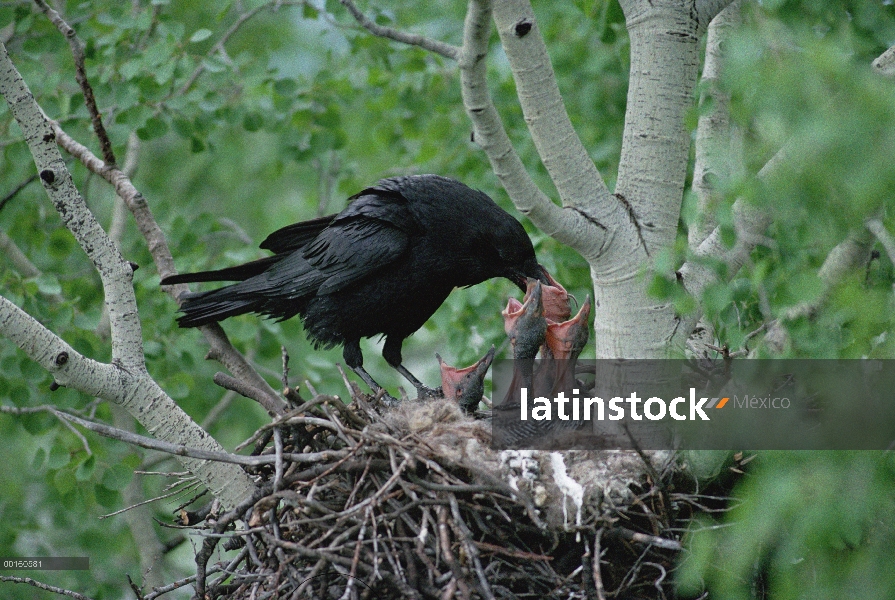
(37, 423)
(59, 456)
(40, 457)
(214, 64)
(716, 298)
(85, 469)
(201, 35)
(154, 128)
(130, 69)
(285, 87)
(32, 372)
(117, 477)
(48, 285)
(253, 121)
(64, 480)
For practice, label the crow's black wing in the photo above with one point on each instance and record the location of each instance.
(371, 233)
(296, 236)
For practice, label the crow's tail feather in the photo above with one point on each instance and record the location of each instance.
(210, 307)
(238, 273)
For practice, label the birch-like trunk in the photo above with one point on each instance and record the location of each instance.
(652, 173)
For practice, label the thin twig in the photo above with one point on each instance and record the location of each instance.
(77, 50)
(15, 191)
(219, 46)
(44, 586)
(179, 450)
(441, 48)
(597, 571)
(471, 549)
(644, 538)
(885, 238)
(191, 483)
(221, 348)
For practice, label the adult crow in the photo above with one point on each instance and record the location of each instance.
(381, 266)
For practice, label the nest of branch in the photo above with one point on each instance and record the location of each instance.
(412, 502)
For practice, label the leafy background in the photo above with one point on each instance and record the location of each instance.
(304, 110)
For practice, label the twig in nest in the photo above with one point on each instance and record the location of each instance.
(597, 572)
(471, 550)
(644, 538)
(291, 394)
(445, 543)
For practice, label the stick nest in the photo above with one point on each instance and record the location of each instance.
(412, 502)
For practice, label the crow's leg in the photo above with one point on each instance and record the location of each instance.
(391, 352)
(422, 390)
(355, 361)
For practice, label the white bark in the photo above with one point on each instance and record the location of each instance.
(749, 225)
(706, 10)
(876, 227)
(220, 347)
(885, 63)
(652, 173)
(572, 227)
(716, 144)
(125, 381)
(574, 174)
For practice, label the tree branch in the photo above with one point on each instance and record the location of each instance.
(707, 10)
(199, 453)
(125, 381)
(885, 63)
(568, 226)
(116, 273)
(438, 47)
(77, 51)
(221, 349)
(219, 46)
(45, 587)
(16, 257)
(573, 172)
(5, 200)
(715, 145)
(876, 227)
(749, 224)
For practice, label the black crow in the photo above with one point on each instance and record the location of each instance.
(381, 266)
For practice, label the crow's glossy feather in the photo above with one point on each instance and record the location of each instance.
(382, 266)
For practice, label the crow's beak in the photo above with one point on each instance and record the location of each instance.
(534, 271)
(544, 276)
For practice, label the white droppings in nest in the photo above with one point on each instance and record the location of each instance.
(570, 488)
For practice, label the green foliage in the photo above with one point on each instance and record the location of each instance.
(801, 78)
(304, 110)
(299, 114)
(808, 525)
